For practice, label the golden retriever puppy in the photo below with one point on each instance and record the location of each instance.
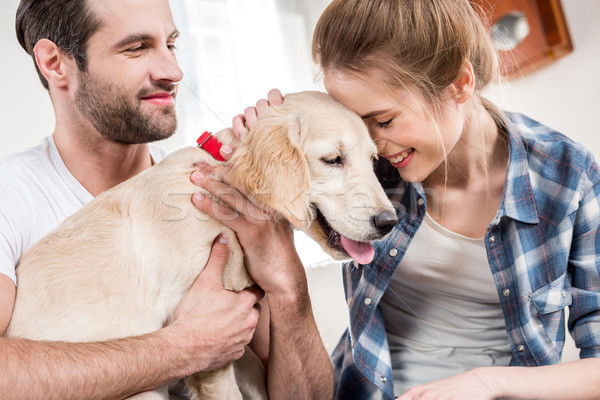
(120, 266)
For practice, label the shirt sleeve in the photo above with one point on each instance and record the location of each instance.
(16, 225)
(9, 249)
(584, 259)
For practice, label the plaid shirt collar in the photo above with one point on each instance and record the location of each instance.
(518, 202)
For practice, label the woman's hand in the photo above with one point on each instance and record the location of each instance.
(568, 380)
(476, 384)
(243, 122)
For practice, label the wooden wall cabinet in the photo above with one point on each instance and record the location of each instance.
(533, 33)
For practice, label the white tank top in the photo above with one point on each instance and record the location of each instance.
(442, 312)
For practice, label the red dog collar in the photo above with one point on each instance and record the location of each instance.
(210, 143)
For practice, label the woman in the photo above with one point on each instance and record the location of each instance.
(499, 218)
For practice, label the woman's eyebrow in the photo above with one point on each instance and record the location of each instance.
(373, 114)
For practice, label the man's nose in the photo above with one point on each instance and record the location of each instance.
(166, 67)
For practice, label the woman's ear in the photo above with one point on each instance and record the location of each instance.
(464, 86)
(53, 63)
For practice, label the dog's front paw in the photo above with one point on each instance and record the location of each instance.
(219, 384)
(235, 276)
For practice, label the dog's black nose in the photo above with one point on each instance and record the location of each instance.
(384, 222)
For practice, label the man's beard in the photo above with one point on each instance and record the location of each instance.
(120, 119)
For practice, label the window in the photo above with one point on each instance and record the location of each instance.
(232, 53)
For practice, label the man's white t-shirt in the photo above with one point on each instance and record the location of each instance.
(37, 193)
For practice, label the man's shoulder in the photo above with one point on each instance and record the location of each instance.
(32, 182)
(18, 197)
(20, 177)
(37, 194)
(27, 162)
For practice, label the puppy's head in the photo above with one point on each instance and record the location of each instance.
(311, 160)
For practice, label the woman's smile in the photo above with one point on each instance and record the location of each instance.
(401, 159)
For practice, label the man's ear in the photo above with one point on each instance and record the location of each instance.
(464, 86)
(53, 63)
(270, 164)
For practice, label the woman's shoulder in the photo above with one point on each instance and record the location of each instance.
(546, 148)
(559, 172)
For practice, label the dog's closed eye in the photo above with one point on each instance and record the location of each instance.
(333, 160)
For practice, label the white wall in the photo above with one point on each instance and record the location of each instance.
(25, 108)
(565, 94)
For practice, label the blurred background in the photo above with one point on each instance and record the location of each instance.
(234, 51)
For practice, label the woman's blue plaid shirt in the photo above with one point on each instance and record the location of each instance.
(543, 249)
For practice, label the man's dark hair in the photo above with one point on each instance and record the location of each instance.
(68, 23)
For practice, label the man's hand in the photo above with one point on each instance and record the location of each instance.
(215, 322)
(267, 241)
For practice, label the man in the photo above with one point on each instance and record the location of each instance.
(111, 72)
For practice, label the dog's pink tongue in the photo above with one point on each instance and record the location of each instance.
(362, 252)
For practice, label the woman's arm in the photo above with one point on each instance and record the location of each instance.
(576, 380)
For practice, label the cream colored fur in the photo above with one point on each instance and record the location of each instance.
(120, 266)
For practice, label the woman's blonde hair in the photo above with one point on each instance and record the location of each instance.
(421, 45)
(418, 45)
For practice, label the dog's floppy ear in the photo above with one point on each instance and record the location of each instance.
(270, 164)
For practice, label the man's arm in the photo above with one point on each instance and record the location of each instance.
(296, 351)
(298, 365)
(118, 368)
(57, 370)
(8, 291)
